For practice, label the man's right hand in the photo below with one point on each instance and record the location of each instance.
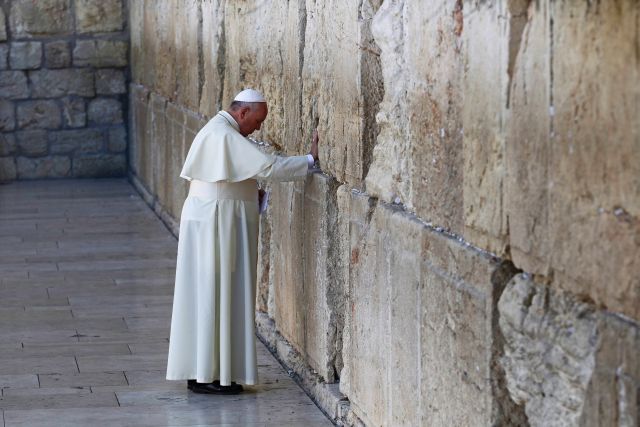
(314, 145)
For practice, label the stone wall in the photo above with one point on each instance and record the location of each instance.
(469, 255)
(63, 88)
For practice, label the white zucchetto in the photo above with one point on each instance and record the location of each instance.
(249, 95)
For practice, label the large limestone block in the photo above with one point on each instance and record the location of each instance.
(4, 56)
(8, 145)
(41, 114)
(287, 209)
(566, 362)
(43, 167)
(382, 327)
(307, 271)
(99, 165)
(7, 116)
(342, 84)
(266, 58)
(105, 111)
(94, 16)
(594, 162)
(110, 82)
(62, 82)
(483, 115)
(158, 48)
(213, 45)
(30, 18)
(25, 55)
(101, 53)
(57, 54)
(136, 22)
(417, 159)
(13, 85)
(187, 53)
(324, 272)
(527, 143)
(32, 143)
(80, 141)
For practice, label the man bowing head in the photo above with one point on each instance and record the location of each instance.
(212, 341)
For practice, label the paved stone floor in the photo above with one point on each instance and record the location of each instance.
(85, 305)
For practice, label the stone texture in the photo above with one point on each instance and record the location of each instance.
(566, 362)
(62, 82)
(25, 55)
(41, 18)
(4, 56)
(99, 165)
(316, 306)
(105, 111)
(110, 82)
(13, 85)
(7, 144)
(77, 141)
(98, 16)
(74, 112)
(8, 171)
(43, 167)
(117, 139)
(100, 53)
(32, 143)
(7, 116)
(39, 115)
(418, 153)
(57, 54)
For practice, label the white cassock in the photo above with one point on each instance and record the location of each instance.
(212, 325)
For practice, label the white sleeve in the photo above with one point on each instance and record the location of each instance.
(288, 168)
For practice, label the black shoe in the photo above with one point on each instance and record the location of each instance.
(214, 387)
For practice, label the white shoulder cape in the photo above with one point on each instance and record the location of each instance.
(220, 153)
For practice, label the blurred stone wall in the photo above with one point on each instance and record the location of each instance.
(470, 255)
(63, 88)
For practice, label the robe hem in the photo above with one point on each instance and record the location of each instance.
(211, 379)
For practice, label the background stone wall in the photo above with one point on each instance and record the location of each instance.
(63, 88)
(470, 254)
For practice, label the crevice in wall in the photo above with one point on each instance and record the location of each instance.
(506, 412)
(302, 22)
(201, 78)
(372, 82)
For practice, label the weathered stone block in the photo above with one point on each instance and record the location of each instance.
(4, 56)
(57, 54)
(186, 42)
(77, 141)
(565, 361)
(105, 111)
(8, 170)
(110, 82)
(63, 82)
(161, 134)
(13, 85)
(3, 26)
(99, 165)
(43, 167)
(42, 114)
(324, 272)
(7, 144)
(25, 55)
(7, 116)
(74, 112)
(30, 18)
(136, 20)
(418, 154)
(212, 57)
(100, 53)
(98, 16)
(32, 143)
(117, 142)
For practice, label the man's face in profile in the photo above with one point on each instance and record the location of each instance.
(251, 118)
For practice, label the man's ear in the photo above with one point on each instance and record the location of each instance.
(244, 111)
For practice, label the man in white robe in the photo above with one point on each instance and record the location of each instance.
(212, 341)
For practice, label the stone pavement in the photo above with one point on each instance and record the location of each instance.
(86, 283)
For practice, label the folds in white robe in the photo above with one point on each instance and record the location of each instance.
(212, 324)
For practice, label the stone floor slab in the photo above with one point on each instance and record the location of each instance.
(86, 284)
